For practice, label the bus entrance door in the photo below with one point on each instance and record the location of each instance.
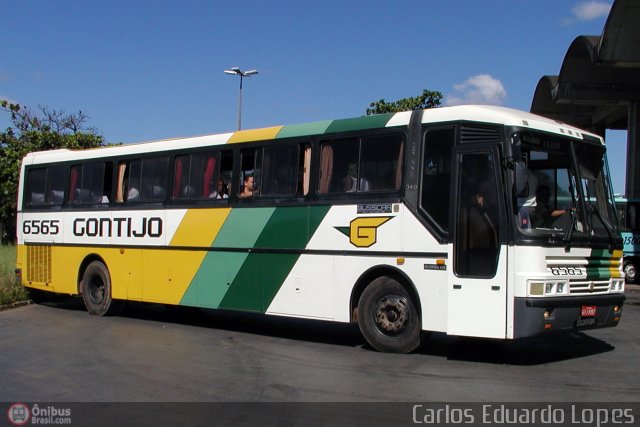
(477, 282)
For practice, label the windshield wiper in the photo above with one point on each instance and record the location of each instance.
(608, 228)
(567, 235)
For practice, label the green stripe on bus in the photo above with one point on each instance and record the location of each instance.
(598, 273)
(360, 123)
(250, 281)
(218, 269)
(262, 274)
(316, 128)
(213, 279)
(599, 264)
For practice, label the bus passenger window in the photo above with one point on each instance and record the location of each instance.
(87, 184)
(195, 176)
(142, 180)
(251, 172)
(358, 165)
(381, 163)
(280, 170)
(338, 165)
(45, 186)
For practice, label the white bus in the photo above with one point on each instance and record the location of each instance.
(472, 220)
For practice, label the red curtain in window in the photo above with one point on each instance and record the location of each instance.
(73, 183)
(177, 180)
(208, 177)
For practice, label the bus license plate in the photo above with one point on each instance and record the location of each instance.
(588, 311)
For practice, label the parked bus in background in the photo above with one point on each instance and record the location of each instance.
(472, 220)
(628, 211)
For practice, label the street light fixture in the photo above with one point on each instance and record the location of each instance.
(235, 71)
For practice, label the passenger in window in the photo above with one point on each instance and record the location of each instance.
(132, 192)
(188, 191)
(248, 189)
(543, 215)
(482, 229)
(478, 233)
(350, 182)
(221, 191)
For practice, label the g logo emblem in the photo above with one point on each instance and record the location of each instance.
(363, 232)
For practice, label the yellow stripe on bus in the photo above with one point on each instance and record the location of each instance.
(171, 271)
(254, 134)
(614, 270)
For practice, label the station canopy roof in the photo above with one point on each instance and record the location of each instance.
(599, 76)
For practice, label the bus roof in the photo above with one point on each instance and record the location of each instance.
(475, 113)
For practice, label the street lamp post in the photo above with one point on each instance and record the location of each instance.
(235, 71)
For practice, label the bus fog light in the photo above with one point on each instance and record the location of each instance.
(536, 288)
(547, 314)
(616, 309)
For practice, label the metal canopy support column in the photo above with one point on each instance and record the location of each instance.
(632, 185)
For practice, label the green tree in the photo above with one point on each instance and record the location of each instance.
(428, 99)
(45, 130)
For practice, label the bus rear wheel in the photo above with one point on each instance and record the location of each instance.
(388, 318)
(96, 290)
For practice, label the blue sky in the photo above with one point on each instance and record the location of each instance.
(144, 70)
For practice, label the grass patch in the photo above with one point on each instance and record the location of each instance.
(10, 290)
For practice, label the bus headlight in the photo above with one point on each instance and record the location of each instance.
(617, 285)
(548, 288)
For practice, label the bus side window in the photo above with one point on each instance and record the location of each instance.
(280, 169)
(250, 181)
(142, 180)
(89, 183)
(36, 186)
(339, 167)
(195, 176)
(436, 175)
(153, 179)
(381, 163)
(46, 186)
(128, 181)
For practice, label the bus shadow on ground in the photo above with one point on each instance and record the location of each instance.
(527, 351)
(524, 352)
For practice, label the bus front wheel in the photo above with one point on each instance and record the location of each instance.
(96, 290)
(388, 318)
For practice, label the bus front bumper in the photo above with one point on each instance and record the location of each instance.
(535, 316)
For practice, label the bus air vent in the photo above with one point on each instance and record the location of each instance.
(38, 264)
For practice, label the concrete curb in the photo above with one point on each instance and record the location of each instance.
(15, 305)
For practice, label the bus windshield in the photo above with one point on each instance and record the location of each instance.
(562, 191)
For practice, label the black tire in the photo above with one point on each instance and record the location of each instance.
(631, 271)
(388, 318)
(96, 290)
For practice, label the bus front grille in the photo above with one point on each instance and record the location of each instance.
(586, 287)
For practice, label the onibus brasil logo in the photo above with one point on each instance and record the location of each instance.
(18, 414)
(363, 232)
